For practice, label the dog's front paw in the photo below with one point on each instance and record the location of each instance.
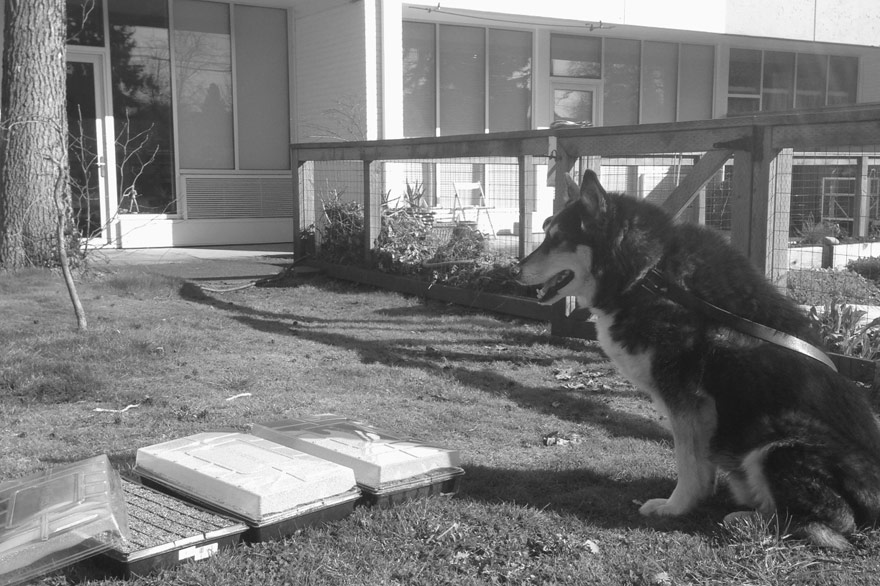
(662, 508)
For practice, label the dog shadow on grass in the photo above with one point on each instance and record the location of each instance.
(596, 498)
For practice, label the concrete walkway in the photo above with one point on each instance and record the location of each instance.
(210, 263)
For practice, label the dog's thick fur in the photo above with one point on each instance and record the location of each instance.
(790, 436)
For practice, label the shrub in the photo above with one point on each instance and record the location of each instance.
(820, 286)
(844, 332)
(341, 230)
(868, 267)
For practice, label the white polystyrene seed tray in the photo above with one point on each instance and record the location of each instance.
(58, 517)
(379, 459)
(250, 477)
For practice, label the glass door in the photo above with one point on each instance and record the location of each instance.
(87, 147)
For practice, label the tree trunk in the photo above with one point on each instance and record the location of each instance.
(32, 134)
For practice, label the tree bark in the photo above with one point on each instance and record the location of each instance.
(33, 130)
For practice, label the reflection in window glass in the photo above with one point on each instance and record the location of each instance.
(812, 79)
(462, 63)
(141, 77)
(575, 56)
(697, 82)
(203, 69)
(778, 89)
(745, 72)
(659, 82)
(621, 103)
(742, 106)
(573, 105)
(419, 79)
(843, 74)
(85, 22)
(510, 80)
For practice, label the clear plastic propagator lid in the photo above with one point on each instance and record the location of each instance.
(58, 517)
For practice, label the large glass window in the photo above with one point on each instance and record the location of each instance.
(462, 75)
(85, 22)
(697, 82)
(843, 80)
(203, 70)
(262, 88)
(777, 92)
(141, 78)
(659, 82)
(812, 81)
(776, 80)
(575, 56)
(419, 79)
(465, 80)
(622, 74)
(510, 80)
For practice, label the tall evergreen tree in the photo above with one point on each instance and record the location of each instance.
(33, 152)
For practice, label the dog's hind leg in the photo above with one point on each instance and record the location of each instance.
(805, 491)
(692, 430)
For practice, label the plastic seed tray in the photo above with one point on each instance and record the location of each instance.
(274, 489)
(58, 517)
(166, 531)
(388, 469)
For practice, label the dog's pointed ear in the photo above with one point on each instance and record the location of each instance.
(592, 194)
(573, 191)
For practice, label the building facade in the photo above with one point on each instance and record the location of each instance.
(182, 111)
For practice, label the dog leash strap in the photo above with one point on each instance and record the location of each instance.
(657, 284)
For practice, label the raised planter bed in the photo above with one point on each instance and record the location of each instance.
(506, 304)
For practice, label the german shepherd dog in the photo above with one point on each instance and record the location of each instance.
(790, 435)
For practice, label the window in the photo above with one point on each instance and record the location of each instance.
(744, 81)
(659, 82)
(510, 80)
(465, 80)
(777, 92)
(575, 56)
(622, 75)
(462, 77)
(141, 76)
(777, 81)
(419, 79)
(697, 82)
(656, 82)
(842, 81)
(812, 80)
(208, 136)
(262, 87)
(203, 71)
(85, 22)
(573, 105)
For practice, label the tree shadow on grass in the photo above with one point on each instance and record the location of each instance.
(467, 368)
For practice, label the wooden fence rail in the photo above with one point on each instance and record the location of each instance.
(761, 146)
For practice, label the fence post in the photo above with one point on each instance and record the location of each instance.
(761, 205)
(369, 223)
(523, 225)
(861, 205)
(295, 166)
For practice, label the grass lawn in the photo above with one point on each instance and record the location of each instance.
(489, 386)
